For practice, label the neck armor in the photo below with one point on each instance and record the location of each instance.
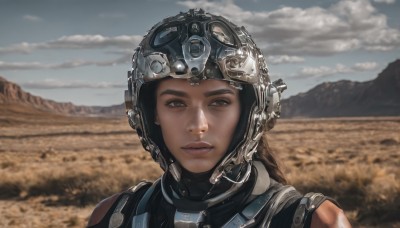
(266, 194)
(263, 199)
(199, 46)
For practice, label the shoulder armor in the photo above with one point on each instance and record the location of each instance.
(272, 201)
(308, 204)
(105, 205)
(101, 209)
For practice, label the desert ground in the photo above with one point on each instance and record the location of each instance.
(55, 169)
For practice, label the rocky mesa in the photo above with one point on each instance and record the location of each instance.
(378, 97)
(12, 94)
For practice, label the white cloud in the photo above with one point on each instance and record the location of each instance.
(39, 66)
(32, 18)
(286, 35)
(57, 84)
(92, 41)
(366, 66)
(385, 1)
(125, 59)
(324, 71)
(22, 48)
(317, 71)
(125, 45)
(282, 59)
(344, 26)
(76, 42)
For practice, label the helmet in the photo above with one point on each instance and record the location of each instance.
(196, 46)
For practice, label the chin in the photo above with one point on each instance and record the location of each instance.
(198, 168)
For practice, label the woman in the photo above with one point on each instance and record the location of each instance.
(200, 99)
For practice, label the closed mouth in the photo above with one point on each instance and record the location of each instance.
(197, 147)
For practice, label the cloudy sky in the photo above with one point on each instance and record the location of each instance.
(80, 50)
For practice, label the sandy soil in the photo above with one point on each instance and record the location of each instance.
(32, 150)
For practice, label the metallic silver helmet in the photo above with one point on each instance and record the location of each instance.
(198, 46)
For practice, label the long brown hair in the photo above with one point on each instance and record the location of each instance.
(267, 156)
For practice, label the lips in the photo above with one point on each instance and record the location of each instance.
(197, 147)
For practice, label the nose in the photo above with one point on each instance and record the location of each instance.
(198, 122)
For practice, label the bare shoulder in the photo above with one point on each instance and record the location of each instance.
(329, 215)
(101, 209)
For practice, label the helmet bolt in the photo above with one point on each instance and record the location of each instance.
(195, 71)
(156, 66)
(179, 66)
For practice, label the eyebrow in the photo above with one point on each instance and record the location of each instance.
(173, 92)
(207, 94)
(219, 92)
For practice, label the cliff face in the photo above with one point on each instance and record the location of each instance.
(11, 93)
(378, 97)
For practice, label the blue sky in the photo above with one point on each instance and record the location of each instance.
(80, 50)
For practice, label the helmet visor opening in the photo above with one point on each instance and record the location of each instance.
(165, 35)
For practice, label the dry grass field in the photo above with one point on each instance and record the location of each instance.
(53, 169)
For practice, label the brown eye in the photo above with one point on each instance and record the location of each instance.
(220, 103)
(175, 104)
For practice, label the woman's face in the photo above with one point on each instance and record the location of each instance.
(197, 122)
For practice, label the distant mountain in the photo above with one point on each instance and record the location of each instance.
(378, 97)
(109, 111)
(12, 94)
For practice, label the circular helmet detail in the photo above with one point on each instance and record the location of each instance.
(198, 46)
